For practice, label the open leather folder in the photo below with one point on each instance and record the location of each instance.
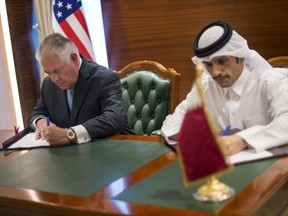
(24, 140)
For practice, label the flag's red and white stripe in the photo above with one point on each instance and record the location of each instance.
(69, 20)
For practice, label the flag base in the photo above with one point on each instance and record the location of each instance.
(214, 191)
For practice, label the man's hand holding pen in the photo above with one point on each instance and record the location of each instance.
(48, 131)
(41, 124)
(232, 141)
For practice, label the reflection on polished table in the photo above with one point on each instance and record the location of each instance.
(264, 195)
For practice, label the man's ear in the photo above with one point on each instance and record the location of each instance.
(74, 57)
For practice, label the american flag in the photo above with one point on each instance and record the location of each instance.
(69, 20)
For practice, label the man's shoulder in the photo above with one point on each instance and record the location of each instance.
(47, 82)
(90, 65)
(274, 74)
(282, 71)
(92, 70)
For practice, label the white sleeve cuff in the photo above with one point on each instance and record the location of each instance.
(168, 138)
(81, 134)
(33, 124)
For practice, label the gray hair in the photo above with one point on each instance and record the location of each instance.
(56, 44)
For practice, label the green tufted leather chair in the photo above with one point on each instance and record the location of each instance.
(150, 92)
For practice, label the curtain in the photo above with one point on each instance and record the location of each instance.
(43, 11)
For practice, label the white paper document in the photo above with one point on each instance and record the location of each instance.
(29, 141)
(249, 155)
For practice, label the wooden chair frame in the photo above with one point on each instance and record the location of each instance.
(161, 71)
(280, 61)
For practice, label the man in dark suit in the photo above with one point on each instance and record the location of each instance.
(80, 100)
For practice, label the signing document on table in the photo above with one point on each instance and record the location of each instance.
(24, 140)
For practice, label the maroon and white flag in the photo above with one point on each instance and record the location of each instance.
(201, 154)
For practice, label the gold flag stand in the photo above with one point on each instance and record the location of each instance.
(214, 191)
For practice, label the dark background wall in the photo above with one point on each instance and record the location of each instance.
(164, 30)
(21, 32)
(159, 30)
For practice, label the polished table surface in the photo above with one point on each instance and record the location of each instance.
(265, 195)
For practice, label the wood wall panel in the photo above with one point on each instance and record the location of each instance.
(158, 30)
(164, 30)
(20, 24)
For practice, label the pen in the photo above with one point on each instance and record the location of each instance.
(48, 121)
(226, 130)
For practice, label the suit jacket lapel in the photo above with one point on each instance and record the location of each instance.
(80, 93)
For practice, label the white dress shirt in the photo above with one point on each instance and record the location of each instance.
(257, 103)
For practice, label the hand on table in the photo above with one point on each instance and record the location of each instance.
(234, 143)
(52, 134)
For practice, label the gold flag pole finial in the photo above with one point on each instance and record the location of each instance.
(199, 69)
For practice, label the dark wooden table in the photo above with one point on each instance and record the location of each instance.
(267, 194)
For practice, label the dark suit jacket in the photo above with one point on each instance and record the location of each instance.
(97, 103)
